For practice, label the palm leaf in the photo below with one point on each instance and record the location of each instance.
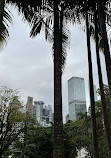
(5, 28)
(46, 21)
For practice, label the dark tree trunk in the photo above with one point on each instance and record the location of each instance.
(58, 148)
(1, 154)
(102, 20)
(2, 4)
(104, 107)
(93, 116)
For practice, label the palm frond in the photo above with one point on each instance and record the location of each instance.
(65, 43)
(45, 21)
(37, 24)
(7, 19)
(39, 14)
(49, 28)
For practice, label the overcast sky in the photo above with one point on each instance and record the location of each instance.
(27, 64)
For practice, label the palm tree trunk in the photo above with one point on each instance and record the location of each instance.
(2, 4)
(104, 107)
(102, 21)
(93, 116)
(58, 147)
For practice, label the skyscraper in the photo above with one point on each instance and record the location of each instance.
(42, 113)
(29, 105)
(76, 97)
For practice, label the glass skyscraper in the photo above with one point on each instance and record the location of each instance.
(76, 97)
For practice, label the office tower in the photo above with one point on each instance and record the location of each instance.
(42, 113)
(29, 105)
(76, 97)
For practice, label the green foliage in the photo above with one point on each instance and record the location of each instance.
(77, 135)
(38, 143)
(10, 114)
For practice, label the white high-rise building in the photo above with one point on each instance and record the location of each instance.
(42, 113)
(76, 97)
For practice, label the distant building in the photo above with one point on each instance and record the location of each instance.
(76, 97)
(29, 105)
(42, 113)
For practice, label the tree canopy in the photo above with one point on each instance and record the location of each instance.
(11, 118)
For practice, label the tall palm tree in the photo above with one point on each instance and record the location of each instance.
(104, 107)
(107, 128)
(58, 150)
(93, 116)
(102, 20)
(58, 123)
(82, 8)
(59, 46)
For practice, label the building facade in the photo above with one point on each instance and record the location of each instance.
(29, 105)
(76, 97)
(42, 113)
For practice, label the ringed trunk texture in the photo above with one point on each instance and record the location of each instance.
(102, 21)
(2, 4)
(104, 106)
(93, 116)
(58, 147)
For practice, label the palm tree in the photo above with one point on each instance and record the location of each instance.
(81, 12)
(93, 116)
(105, 115)
(58, 123)
(104, 107)
(59, 47)
(58, 149)
(102, 20)
(107, 126)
